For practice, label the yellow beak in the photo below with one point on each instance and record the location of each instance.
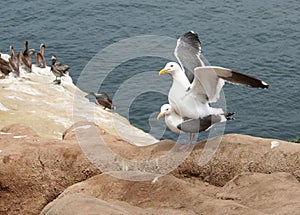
(160, 115)
(163, 71)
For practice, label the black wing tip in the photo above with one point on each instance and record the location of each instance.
(190, 33)
(191, 36)
(261, 84)
(179, 126)
(264, 85)
(229, 115)
(249, 80)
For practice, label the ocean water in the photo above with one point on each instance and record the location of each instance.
(260, 38)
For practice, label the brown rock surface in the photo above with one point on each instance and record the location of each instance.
(250, 193)
(237, 180)
(33, 171)
(277, 193)
(240, 153)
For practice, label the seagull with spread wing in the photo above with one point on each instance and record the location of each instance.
(196, 85)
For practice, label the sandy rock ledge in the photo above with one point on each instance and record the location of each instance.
(244, 175)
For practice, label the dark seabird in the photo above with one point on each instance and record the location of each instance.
(105, 102)
(180, 125)
(5, 68)
(14, 62)
(58, 69)
(25, 57)
(40, 59)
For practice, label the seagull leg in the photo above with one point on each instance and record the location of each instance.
(187, 146)
(192, 136)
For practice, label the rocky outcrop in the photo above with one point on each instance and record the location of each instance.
(245, 175)
(33, 170)
(240, 153)
(248, 193)
(36, 101)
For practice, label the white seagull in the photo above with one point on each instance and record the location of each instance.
(180, 125)
(196, 85)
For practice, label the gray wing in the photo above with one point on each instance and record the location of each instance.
(206, 82)
(237, 77)
(209, 81)
(198, 125)
(187, 52)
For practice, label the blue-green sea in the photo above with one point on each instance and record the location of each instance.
(260, 38)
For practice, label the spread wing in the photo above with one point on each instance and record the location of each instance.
(238, 77)
(209, 81)
(206, 82)
(187, 52)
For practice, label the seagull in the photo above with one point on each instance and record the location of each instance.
(58, 69)
(105, 102)
(40, 58)
(14, 61)
(181, 125)
(195, 85)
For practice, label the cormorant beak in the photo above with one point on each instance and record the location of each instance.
(163, 71)
(160, 115)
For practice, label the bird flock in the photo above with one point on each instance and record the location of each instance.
(23, 62)
(195, 86)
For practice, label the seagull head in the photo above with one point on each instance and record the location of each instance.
(165, 110)
(171, 67)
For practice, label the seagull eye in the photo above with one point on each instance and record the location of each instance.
(171, 65)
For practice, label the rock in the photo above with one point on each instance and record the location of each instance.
(247, 193)
(33, 171)
(276, 193)
(83, 204)
(18, 131)
(173, 195)
(235, 154)
(70, 133)
(33, 99)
